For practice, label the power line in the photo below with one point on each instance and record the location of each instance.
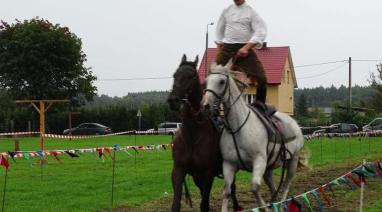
(130, 79)
(318, 64)
(368, 60)
(299, 66)
(318, 75)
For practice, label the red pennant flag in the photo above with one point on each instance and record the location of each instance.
(108, 151)
(54, 153)
(294, 206)
(100, 153)
(326, 197)
(4, 162)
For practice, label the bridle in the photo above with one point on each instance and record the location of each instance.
(227, 108)
(189, 88)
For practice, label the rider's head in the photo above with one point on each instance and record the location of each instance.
(239, 2)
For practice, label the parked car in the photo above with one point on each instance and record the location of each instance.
(88, 129)
(169, 128)
(376, 124)
(319, 132)
(342, 128)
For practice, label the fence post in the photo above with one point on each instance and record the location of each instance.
(362, 188)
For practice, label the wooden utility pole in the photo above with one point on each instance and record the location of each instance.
(41, 109)
(350, 103)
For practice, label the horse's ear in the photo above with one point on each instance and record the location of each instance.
(196, 60)
(184, 58)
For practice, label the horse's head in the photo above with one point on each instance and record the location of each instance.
(217, 87)
(185, 81)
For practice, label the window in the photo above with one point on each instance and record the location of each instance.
(288, 76)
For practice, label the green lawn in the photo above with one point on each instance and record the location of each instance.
(84, 183)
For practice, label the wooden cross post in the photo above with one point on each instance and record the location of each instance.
(41, 109)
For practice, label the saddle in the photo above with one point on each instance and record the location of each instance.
(278, 129)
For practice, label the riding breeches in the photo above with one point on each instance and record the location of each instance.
(250, 64)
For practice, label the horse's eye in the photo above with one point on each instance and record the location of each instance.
(221, 82)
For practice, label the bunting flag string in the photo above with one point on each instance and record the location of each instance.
(352, 179)
(74, 153)
(373, 133)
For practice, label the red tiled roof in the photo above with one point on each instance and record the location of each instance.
(272, 58)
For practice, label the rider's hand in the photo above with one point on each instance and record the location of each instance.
(243, 52)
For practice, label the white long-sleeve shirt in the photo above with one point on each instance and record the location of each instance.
(240, 24)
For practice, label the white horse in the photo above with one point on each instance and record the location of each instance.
(244, 142)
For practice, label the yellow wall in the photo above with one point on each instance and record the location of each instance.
(281, 96)
(286, 89)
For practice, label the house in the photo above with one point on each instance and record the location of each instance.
(278, 65)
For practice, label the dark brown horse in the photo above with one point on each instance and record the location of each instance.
(196, 148)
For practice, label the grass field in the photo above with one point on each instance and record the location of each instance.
(84, 183)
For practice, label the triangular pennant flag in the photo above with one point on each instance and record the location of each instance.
(285, 206)
(78, 151)
(116, 147)
(306, 199)
(107, 150)
(4, 162)
(12, 155)
(355, 181)
(135, 149)
(25, 155)
(127, 152)
(100, 153)
(335, 181)
(326, 197)
(378, 169)
(361, 177)
(55, 155)
(319, 203)
(71, 154)
(39, 153)
(275, 207)
(369, 169)
(294, 206)
(347, 182)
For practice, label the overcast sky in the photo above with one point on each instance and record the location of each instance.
(134, 39)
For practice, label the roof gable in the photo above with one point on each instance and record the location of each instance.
(272, 58)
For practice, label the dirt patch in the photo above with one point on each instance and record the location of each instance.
(341, 199)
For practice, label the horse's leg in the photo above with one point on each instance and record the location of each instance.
(204, 183)
(178, 175)
(207, 185)
(268, 179)
(259, 165)
(236, 206)
(291, 170)
(229, 174)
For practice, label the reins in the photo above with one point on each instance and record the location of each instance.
(226, 112)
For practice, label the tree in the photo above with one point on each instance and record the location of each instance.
(301, 107)
(41, 60)
(376, 84)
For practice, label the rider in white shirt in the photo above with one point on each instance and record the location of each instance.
(238, 31)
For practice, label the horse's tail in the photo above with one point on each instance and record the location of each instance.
(187, 193)
(303, 159)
